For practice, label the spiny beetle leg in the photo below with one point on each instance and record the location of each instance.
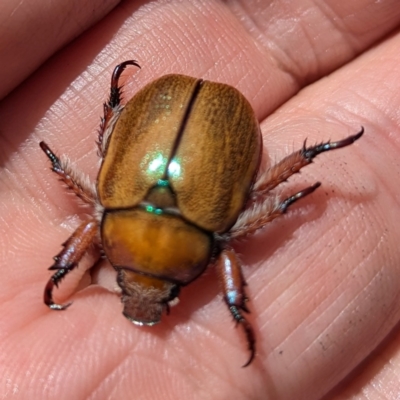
(75, 180)
(259, 215)
(293, 163)
(65, 261)
(231, 277)
(112, 106)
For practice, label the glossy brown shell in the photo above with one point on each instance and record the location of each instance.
(202, 137)
(163, 245)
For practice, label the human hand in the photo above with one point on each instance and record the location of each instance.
(323, 280)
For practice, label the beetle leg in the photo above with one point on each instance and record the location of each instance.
(75, 180)
(113, 106)
(291, 164)
(233, 284)
(74, 249)
(261, 213)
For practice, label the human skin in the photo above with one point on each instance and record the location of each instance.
(323, 281)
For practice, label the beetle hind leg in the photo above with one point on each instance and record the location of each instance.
(293, 163)
(263, 210)
(260, 214)
(233, 284)
(68, 258)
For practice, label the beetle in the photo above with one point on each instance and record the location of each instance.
(179, 181)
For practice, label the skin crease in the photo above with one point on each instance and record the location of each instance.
(323, 280)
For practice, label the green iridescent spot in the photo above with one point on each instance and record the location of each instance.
(163, 183)
(174, 168)
(154, 210)
(157, 164)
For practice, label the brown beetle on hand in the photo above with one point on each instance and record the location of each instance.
(178, 182)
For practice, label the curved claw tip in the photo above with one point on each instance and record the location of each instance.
(359, 134)
(249, 361)
(44, 146)
(54, 306)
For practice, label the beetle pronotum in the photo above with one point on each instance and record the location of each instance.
(177, 184)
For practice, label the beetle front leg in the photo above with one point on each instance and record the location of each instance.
(233, 284)
(112, 107)
(293, 163)
(65, 261)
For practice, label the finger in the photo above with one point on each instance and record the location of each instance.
(31, 32)
(69, 118)
(338, 279)
(307, 40)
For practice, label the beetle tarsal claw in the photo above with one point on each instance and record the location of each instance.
(251, 358)
(250, 341)
(248, 330)
(55, 306)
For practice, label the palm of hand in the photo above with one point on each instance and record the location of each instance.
(323, 280)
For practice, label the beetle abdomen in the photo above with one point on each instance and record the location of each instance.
(155, 244)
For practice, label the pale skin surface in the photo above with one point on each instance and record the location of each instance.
(324, 280)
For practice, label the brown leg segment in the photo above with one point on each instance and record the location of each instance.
(257, 217)
(78, 182)
(113, 102)
(65, 261)
(291, 164)
(233, 284)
